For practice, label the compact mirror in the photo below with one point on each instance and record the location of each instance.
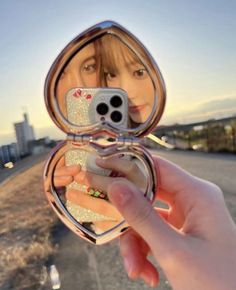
(105, 92)
(105, 78)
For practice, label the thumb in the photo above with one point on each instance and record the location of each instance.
(142, 217)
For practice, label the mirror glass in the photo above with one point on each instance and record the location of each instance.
(81, 179)
(106, 81)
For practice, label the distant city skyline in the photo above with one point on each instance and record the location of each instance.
(190, 116)
(193, 43)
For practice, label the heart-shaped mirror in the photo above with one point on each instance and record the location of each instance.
(105, 57)
(105, 91)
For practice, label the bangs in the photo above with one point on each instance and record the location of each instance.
(114, 53)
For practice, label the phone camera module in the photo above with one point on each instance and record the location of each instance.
(116, 101)
(102, 109)
(116, 116)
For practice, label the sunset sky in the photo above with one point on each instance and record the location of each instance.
(193, 43)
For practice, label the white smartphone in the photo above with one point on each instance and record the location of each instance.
(86, 106)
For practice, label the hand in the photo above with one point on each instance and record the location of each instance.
(64, 175)
(127, 169)
(194, 241)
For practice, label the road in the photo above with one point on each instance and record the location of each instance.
(21, 166)
(84, 266)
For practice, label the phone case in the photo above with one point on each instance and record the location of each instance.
(86, 102)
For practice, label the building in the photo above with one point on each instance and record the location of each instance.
(39, 146)
(4, 154)
(9, 153)
(24, 133)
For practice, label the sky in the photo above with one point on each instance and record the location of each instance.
(193, 43)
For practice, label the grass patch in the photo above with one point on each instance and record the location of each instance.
(26, 221)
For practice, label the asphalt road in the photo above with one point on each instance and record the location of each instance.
(84, 266)
(22, 165)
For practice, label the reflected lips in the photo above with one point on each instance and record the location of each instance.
(136, 109)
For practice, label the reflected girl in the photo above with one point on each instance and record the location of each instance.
(121, 68)
(81, 71)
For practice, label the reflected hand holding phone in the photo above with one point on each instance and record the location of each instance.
(105, 92)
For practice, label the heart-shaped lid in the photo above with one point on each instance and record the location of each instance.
(105, 79)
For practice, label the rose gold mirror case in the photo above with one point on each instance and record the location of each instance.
(127, 141)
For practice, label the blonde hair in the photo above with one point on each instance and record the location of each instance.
(113, 52)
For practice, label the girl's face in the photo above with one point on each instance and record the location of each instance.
(134, 79)
(123, 70)
(80, 72)
(120, 68)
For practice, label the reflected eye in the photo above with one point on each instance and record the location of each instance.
(109, 76)
(89, 68)
(140, 73)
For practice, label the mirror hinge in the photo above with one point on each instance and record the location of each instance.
(127, 141)
(86, 139)
(82, 139)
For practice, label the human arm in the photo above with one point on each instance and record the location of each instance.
(194, 241)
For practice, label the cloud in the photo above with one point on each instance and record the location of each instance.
(212, 109)
(220, 105)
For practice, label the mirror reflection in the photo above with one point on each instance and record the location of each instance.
(108, 64)
(81, 179)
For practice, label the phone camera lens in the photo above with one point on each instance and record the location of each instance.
(102, 109)
(116, 101)
(116, 116)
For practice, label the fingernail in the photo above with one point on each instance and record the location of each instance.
(146, 279)
(153, 283)
(128, 266)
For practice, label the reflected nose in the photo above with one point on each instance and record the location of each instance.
(131, 89)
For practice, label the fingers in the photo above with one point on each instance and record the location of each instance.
(62, 180)
(181, 190)
(94, 180)
(150, 274)
(127, 167)
(105, 225)
(97, 205)
(123, 166)
(178, 188)
(134, 251)
(173, 179)
(141, 216)
(118, 164)
(67, 170)
(64, 175)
